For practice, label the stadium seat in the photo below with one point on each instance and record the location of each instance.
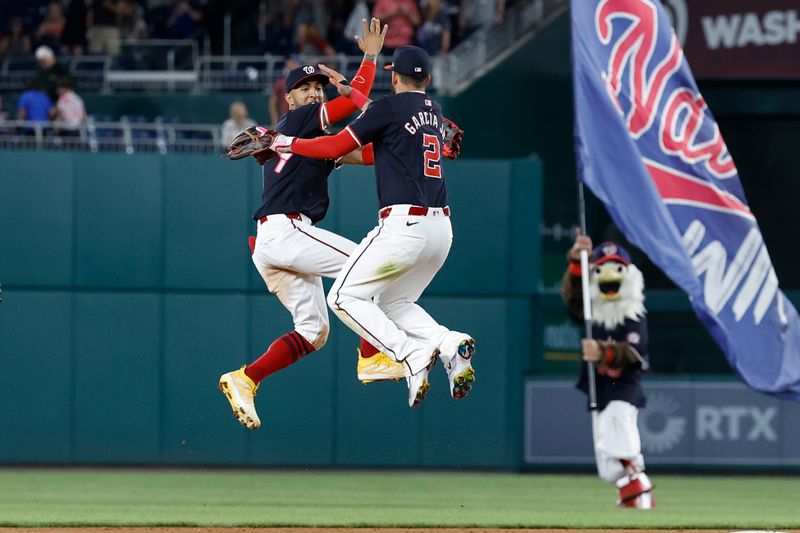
(22, 64)
(88, 63)
(203, 134)
(106, 132)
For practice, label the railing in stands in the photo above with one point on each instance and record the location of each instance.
(123, 136)
(177, 65)
(260, 72)
(194, 73)
(487, 47)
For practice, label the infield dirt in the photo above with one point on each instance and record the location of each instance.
(335, 530)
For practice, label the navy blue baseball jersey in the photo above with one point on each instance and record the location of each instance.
(293, 183)
(406, 132)
(625, 386)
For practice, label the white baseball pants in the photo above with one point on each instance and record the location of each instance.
(376, 292)
(616, 436)
(291, 255)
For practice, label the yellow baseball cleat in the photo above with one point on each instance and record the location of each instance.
(379, 367)
(240, 391)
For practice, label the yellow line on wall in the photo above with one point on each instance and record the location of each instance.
(562, 356)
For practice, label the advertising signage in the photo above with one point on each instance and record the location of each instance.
(739, 39)
(685, 423)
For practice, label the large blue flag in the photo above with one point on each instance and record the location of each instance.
(649, 148)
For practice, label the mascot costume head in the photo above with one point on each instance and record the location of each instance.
(616, 286)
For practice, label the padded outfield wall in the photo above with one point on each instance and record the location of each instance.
(128, 289)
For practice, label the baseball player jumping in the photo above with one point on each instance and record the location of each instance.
(292, 254)
(399, 258)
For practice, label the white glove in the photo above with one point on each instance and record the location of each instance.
(282, 144)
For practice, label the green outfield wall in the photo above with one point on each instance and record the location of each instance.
(128, 289)
(524, 105)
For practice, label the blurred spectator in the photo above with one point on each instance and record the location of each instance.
(33, 103)
(4, 116)
(348, 43)
(308, 12)
(214, 24)
(49, 71)
(17, 42)
(52, 27)
(476, 14)
(278, 31)
(434, 33)
(69, 112)
(402, 16)
(338, 13)
(131, 21)
(237, 122)
(185, 20)
(73, 41)
(452, 8)
(310, 42)
(3, 113)
(278, 106)
(103, 29)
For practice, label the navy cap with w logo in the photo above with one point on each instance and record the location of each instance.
(300, 75)
(610, 251)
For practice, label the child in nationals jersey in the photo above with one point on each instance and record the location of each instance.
(290, 253)
(399, 258)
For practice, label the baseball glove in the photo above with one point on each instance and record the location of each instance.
(254, 141)
(452, 139)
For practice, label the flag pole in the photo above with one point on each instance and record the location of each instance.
(587, 302)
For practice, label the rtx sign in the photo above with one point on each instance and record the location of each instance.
(713, 423)
(736, 422)
(717, 423)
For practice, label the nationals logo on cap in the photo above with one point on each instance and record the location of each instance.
(301, 75)
(610, 251)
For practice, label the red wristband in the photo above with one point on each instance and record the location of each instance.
(574, 269)
(357, 97)
(368, 155)
(609, 354)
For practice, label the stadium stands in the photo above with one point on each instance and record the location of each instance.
(166, 64)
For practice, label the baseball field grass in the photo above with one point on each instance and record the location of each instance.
(76, 497)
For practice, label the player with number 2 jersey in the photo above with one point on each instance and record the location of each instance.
(376, 292)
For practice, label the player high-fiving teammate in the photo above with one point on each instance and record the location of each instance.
(398, 259)
(290, 252)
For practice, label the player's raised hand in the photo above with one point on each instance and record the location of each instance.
(372, 42)
(337, 79)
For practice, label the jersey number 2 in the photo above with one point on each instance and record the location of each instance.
(433, 154)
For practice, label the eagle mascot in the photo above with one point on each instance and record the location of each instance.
(618, 349)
